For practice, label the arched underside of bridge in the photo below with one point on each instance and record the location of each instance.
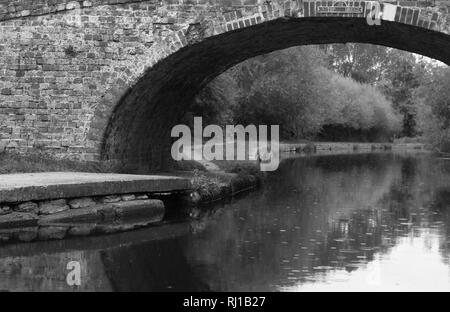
(138, 133)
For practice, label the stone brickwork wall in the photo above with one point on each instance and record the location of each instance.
(108, 78)
(55, 68)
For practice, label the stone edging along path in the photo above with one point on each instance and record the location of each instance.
(44, 206)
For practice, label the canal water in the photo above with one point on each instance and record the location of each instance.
(363, 222)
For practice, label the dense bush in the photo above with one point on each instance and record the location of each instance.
(295, 89)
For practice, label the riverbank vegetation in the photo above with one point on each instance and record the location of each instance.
(208, 187)
(433, 108)
(352, 92)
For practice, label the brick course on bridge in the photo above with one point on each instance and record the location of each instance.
(106, 79)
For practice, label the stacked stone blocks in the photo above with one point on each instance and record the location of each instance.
(59, 218)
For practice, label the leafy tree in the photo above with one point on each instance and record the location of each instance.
(433, 103)
(285, 89)
(402, 77)
(362, 62)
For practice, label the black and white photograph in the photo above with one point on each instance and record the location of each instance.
(220, 152)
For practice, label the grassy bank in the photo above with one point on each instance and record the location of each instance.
(233, 178)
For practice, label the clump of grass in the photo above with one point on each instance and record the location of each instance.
(206, 185)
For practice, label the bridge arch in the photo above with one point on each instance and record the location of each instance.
(107, 79)
(138, 129)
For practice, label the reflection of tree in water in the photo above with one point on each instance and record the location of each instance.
(411, 200)
(441, 206)
(306, 174)
(310, 217)
(353, 240)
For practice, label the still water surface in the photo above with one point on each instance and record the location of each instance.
(326, 223)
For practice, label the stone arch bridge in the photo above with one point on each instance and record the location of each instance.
(107, 79)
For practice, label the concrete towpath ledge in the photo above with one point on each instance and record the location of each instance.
(21, 187)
